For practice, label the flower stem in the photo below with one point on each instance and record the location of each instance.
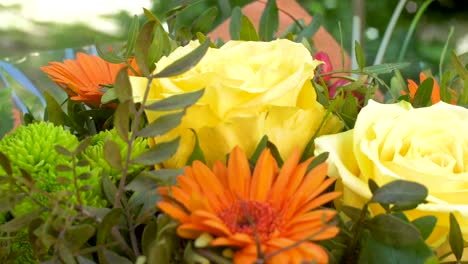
(388, 32)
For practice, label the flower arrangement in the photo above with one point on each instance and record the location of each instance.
(179, 149)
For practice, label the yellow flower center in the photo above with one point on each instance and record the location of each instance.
(256, 219)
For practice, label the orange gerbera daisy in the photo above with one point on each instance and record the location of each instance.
(269, 205)
(84, 77)
(413, 87)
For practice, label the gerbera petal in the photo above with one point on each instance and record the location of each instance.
(238, 239)
(209, 183)
(174, 211)
(284, 176)
(297, 177)
(263, 176)
(239, 173)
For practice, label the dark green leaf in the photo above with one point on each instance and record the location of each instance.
(308, 32)
(455, 237)
(82, 163)
(82, 146)
(63, 151)
(400, 193)
(206, 20)
(373, 186)
(63, 168)
(65, 254)
(247, 31)
(112, 154)
(275, 153)
(109, 56)
(77, 235)
(132, 36)
(185, 63)
(122, 86)
(55, 113)
(373, 251)
(159, 153)
(425, 225)
(236, 23)
(392, 231)
(149, 236)
(321, 158)
(269, 21)
(176, 102)
(162, 125)
(141, 184)
(423, 95)
(385, 68)
(121, 119)
(360, 58)
(164, 176)
(111, 219)
(19, 222)
(83, 260)
(5, 163)
(197, 153)
(444, 89)
(258, 150)
(142, 46)
(85, 176)
(352, 212)
(110, 257)
(108, 188)
(457, 64)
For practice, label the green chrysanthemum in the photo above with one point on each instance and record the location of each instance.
(32, 148)
(95, 153)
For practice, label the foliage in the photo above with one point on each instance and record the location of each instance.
(89, 176)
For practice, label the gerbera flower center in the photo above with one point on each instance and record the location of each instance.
(252, 218)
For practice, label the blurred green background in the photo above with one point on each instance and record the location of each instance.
(35, 27)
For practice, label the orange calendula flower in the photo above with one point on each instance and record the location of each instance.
(276, 207)
(84, 77)
(413, 87)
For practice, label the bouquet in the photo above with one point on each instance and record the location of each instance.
(179, 148)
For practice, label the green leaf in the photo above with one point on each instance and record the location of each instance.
(373, 186)
(385, 68)
(236, 23)
(108, 188)
(108, 96)
(164, 176)
(269, 21)
(142, 46)
(463, 99)
(425, 225)
(321, 158)
(111, 219)
(6, 110)
(205, 21)
(360, 58)
(62, 168)
(401, 193)
(83, 260)
(247, 30)
(423, 96)
(185, 63)
(109, 56)
(275, 153)
(55, 113)
(65, 254)
(445, 95)
(63, 151)
(159, 153)
(112, 154)
(456, 237)
(132, 36)
(162, 125)
(176, 102)
(77, 235)
(19, 222)
(110, 257)
(149, 236)
(197, 153)
(308, 32)
(5, 163)
(352, 212)
(457, 64)
(393, 231)
(122, 86)
(258, 150)
(374, 251)
(121, 119)
(82, 146)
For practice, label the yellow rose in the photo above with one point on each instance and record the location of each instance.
(252, 89)
(394, 141)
